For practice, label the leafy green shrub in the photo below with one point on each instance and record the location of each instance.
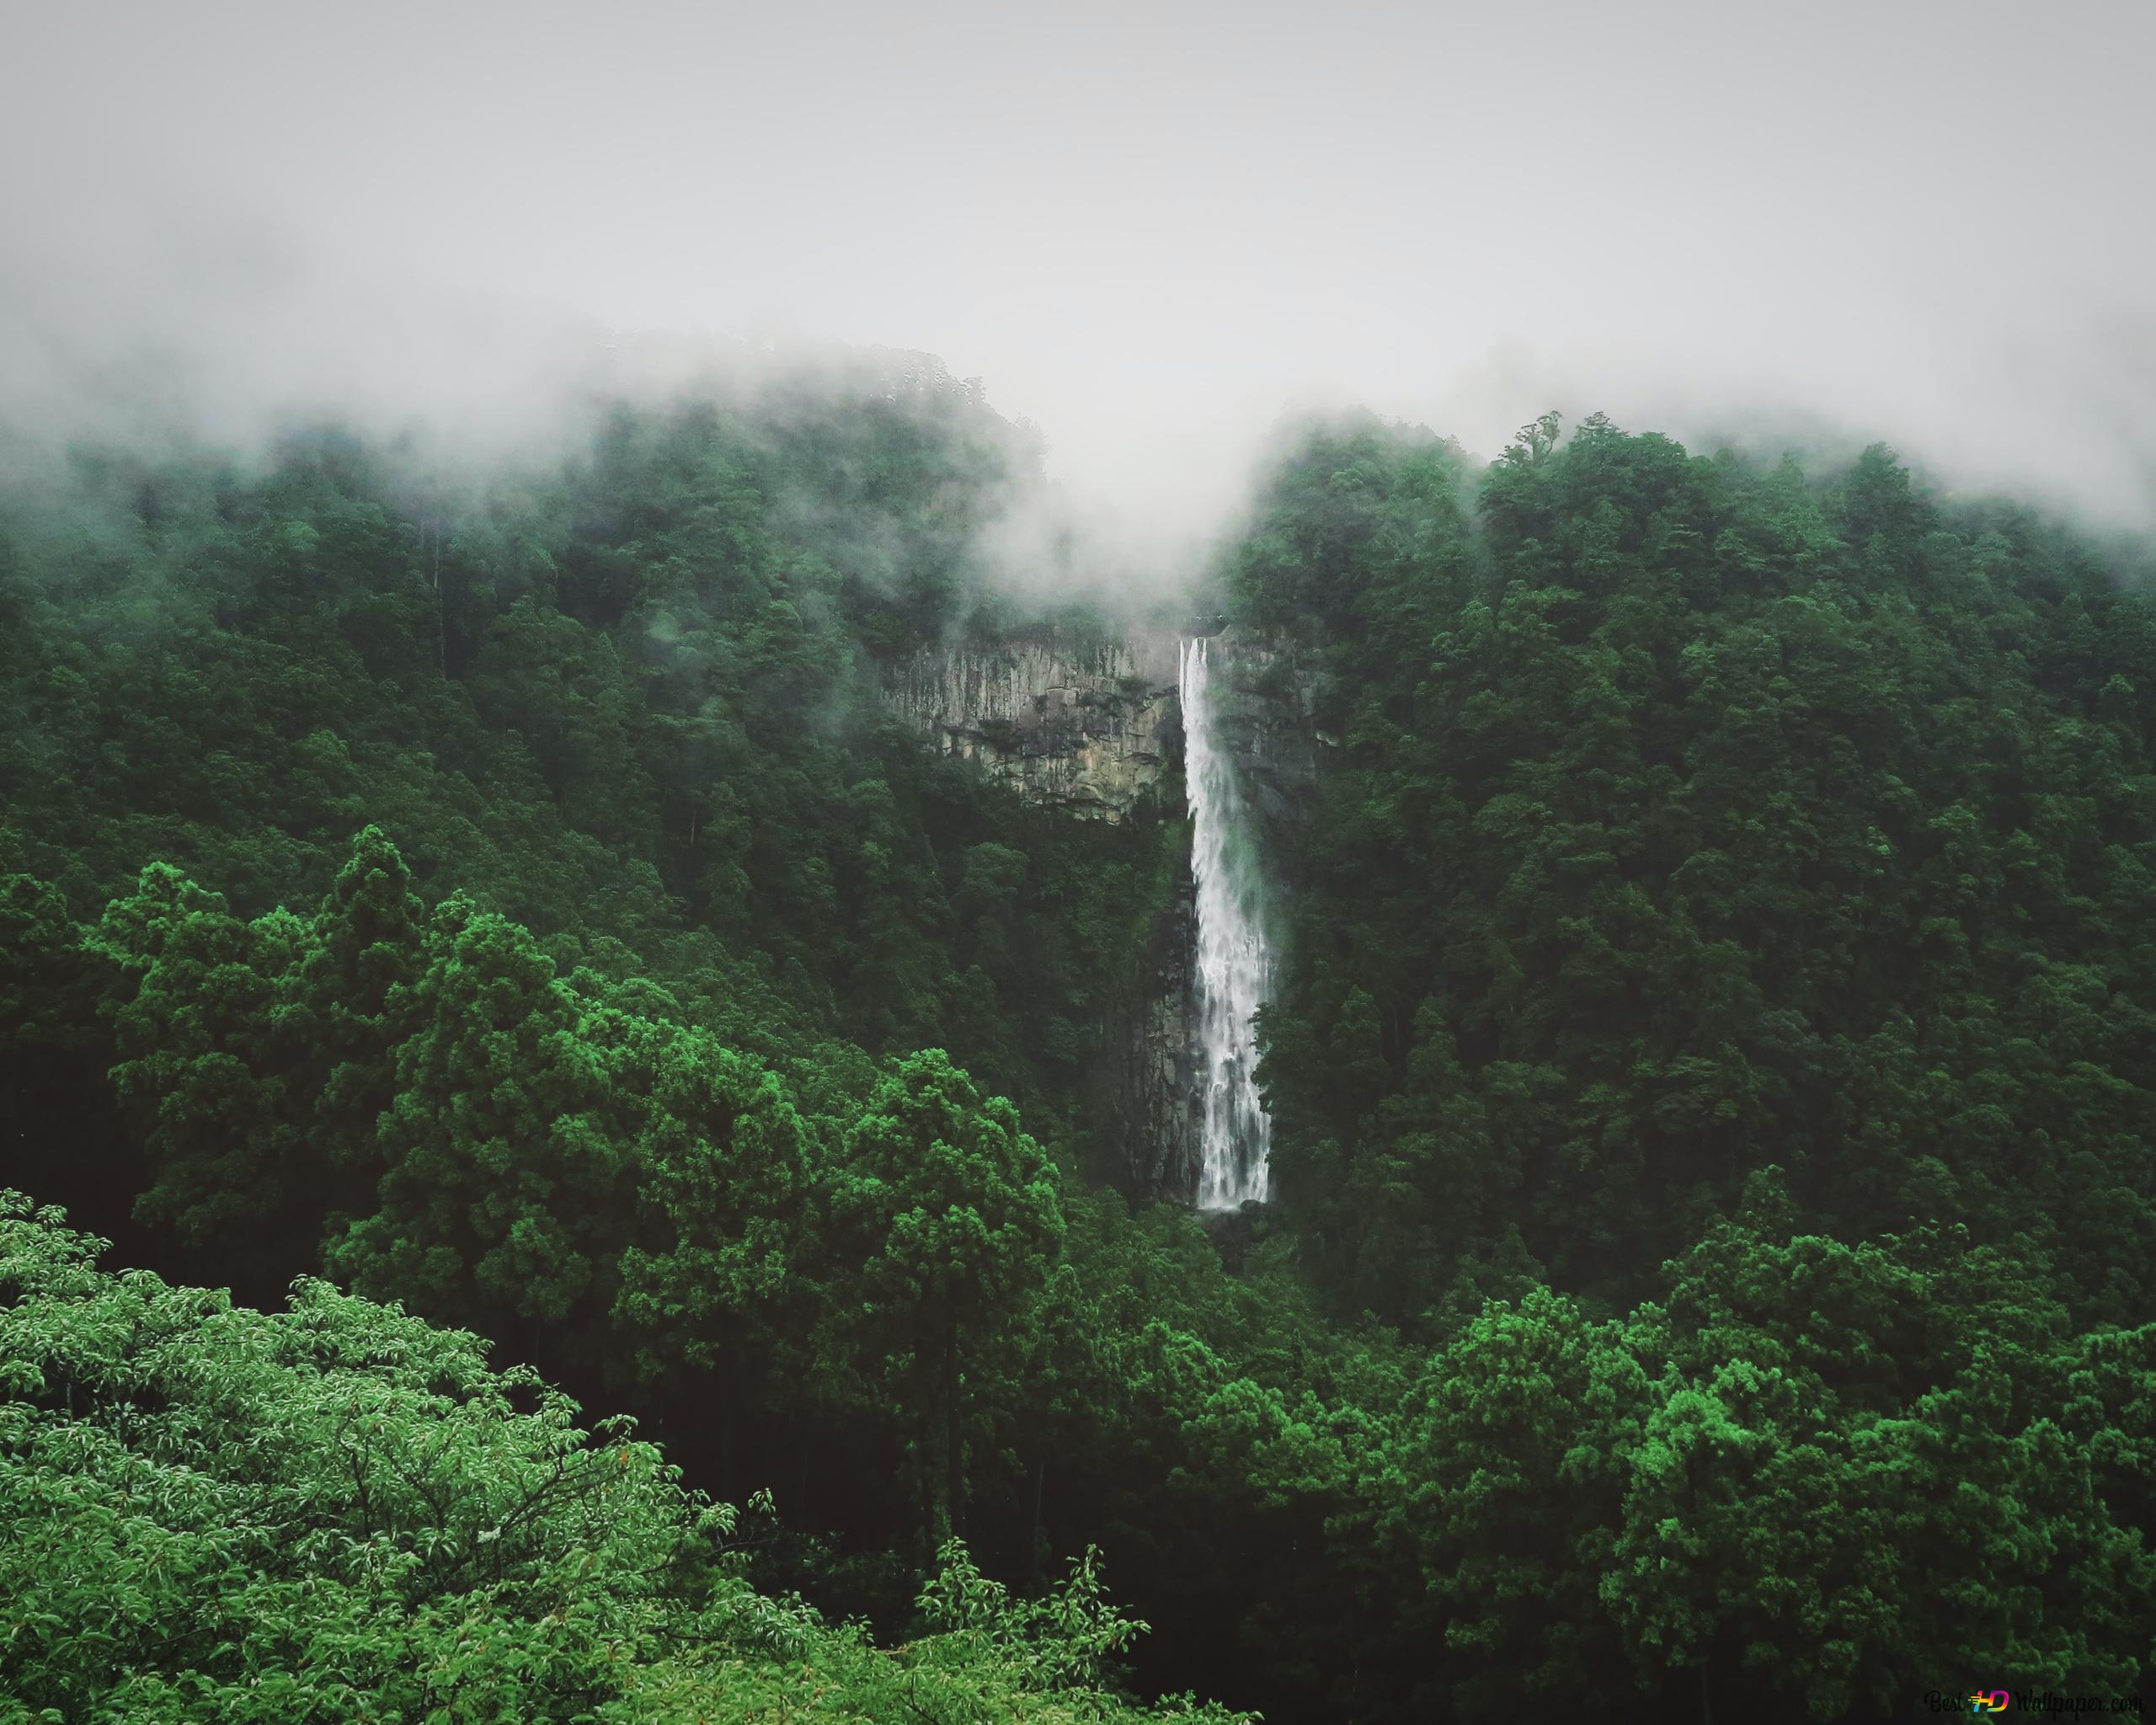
(338, 1512)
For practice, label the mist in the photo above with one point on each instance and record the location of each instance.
(1151, 231)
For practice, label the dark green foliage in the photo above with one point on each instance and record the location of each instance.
(507, 1151)
(942, 1227)
(1713, 1146)
(632, 703)
(254, 1058)
(1690, 816)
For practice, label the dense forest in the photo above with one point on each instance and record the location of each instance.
(1712, 1167)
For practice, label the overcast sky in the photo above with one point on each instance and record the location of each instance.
(1149, 228)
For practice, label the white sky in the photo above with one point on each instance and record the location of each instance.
(1149, 228)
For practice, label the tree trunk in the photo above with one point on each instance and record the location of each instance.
(1033, 1538)
(924, 1472)
(954, 1443)
(725, 1441)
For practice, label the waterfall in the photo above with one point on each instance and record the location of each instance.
(1234, 964)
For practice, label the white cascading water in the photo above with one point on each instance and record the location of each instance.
(1235, 964)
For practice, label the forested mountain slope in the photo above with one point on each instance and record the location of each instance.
(631, 700)
(1692, 817)
(1711, 1150)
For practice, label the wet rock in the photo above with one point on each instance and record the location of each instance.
(1090, 721)
(1081, 722)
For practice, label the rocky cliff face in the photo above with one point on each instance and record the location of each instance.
(1081, 722)
(1092, 723)
(1157, 1090)
(1264, 699)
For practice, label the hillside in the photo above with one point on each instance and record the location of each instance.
(1713, 998)
(337, 1512)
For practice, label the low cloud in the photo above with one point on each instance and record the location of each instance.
(1151, 234)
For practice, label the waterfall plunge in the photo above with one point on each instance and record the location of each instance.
(1234, 964)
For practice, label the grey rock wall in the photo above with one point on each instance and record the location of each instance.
(1081, 723)
(1264, 698)
(1158, 1092)
(1091, 723)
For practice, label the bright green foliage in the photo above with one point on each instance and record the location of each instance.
(1510, 1453)
(1071, 1637)
(1818, 1464)
(942, 1220)
(254, 1057)
(337, 1512)
(510, 1175)
(211, 1042)
(366, 954)
(1849, 1434)
(724, 1159)
(332, 1512)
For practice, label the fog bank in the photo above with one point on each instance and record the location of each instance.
(1150, 231)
